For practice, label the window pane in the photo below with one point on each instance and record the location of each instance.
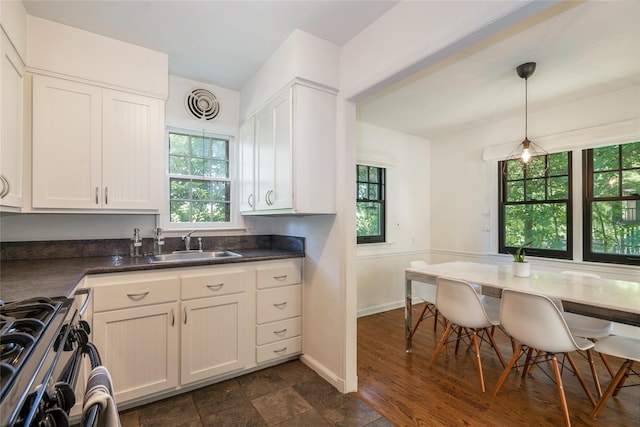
(373, 174)
(219, 169)
(536, 167)
(179, 165)
(201, 212)
(605, 184)
(362, 173)
(179, 144)
(631, 155)
(544, 225)
(363, 191)
(368, 217)
(220, 212)
(180, 211)
(605, 158)
(200, 190)
(197, 146)
(630, 182)
(559, 188)
(219, 149)
(373, 192)
(535, 189)
(514, 170)
(180, 188)
(615, 228)
(558, 164)
(221, 191)
(198, 167)
(515, 191)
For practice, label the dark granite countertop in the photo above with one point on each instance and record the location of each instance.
(21, 279)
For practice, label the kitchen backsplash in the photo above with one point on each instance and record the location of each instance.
(11, 251)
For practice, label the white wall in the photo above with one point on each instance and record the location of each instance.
(407, 160)
(57, 48)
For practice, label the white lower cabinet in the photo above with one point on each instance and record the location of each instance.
(278, 311)
(157, 331)
(212, 326)
(136, 330)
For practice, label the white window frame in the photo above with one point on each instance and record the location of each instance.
(235, 218)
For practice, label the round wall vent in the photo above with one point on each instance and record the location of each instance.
(202, 104)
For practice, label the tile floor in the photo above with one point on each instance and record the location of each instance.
(289, 394)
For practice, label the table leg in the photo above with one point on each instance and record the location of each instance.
(408, 322)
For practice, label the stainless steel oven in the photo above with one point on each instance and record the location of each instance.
(42, 344)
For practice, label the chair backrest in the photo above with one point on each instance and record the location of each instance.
(459, 303)
(535, 321)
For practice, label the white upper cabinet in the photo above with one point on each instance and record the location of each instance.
(95, 148)
(11, 125)
(247, 165)
(293, 168)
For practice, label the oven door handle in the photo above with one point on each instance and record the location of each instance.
(85, 305)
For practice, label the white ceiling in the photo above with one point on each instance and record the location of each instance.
(582, 49)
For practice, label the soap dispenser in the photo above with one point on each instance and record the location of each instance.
(158, 242)
(135, 247)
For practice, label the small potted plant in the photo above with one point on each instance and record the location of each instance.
(521, 268)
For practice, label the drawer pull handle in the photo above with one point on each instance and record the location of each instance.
(280, 332)
(173, 317)
(215, 287)
(282, 350)
(280, 305)
(185, 315)
(280, 278)
(138, 297)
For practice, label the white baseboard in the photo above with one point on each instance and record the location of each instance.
(326, 374)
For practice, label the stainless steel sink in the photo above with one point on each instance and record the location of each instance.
(182, 256)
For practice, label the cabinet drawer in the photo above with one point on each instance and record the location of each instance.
(213, 284)
(281, 274)
(278, 349)
(276, 331)
(279, 303)
(126, 295)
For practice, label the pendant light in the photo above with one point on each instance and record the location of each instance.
(527, 149)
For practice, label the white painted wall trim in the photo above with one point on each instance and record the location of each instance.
(325, 373)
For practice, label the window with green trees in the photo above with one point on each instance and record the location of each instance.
(535, 206)
(370, 205)
(199, 183)
(611, 201)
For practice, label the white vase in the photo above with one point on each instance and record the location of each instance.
(521, 269)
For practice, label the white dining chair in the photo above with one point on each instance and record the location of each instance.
(590, 328)
(461, 305)
(535, 322)
(625, 348)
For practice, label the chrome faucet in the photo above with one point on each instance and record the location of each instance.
(187, 240)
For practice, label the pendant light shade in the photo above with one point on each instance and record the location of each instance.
(527, 149)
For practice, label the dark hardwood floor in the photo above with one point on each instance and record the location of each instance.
(402, 388)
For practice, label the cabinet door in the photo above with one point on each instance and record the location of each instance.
(139, 346)
(212, 332)
(132, 151)
(66, 144)
(274, 154)
(11, 126)
(247, 165)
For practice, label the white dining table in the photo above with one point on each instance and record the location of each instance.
(615, 300)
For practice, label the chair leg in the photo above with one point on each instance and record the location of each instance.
(606, 364)
(594, 373)
(445, 335)
(496, 349)
(614, 384)
(420, 318)
(435, 319)
(507, 369)
(476, 347)
(622, 381)
(563, 399)
(583, 383)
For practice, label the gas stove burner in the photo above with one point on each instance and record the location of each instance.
(12, 346)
